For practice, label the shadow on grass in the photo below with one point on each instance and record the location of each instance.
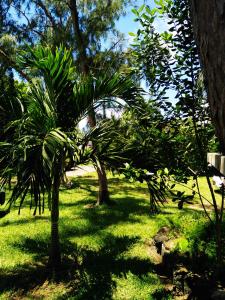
(18, 221)
(127, 210)
(116, 185)
(88, 273)
(23, 278)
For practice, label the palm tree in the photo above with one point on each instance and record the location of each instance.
(45, 134)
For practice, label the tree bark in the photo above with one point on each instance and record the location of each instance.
(208, 18)
(55, 252)
(103, 193)
(79, 39)
(84, 66)
(47, 12)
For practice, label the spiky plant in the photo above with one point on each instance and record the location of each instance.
(44, 135)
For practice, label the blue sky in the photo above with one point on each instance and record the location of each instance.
(127, 24)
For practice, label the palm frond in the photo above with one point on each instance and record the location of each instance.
(91, 92)
(43, 136)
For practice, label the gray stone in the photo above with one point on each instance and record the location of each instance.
(179, 276)
(160, 238)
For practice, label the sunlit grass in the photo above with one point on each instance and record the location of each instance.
(110, 243)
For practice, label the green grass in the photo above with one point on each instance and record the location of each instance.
(105, 249)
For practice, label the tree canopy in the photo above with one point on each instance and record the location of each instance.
(63, 62)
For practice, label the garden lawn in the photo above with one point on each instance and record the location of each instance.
(105, 249)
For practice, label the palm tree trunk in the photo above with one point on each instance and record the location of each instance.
(55, 252)
(104, 110)
(103, 194)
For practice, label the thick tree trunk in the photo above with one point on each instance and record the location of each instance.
(208, 18)
(103, 194)
(55, 253)
(209, 27)
(79, 39)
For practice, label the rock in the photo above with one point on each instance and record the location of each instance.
(164, 230)
(156, 258)
(170, 244)
(179, 276)
(160, 238)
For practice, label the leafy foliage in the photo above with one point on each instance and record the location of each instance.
(157, 184)
(169, 61)
(40, 144)
(181, 72)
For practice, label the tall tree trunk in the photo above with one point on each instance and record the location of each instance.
(55, 252)
(208, 17)
(84, 66)
(104, 110)
(103, 194)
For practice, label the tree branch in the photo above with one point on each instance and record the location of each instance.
(78, 34)
(12, 64)
(46, 11)
(28, 22)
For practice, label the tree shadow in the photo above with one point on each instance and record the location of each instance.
(98, 268)
(23, 278)
(127, 210)
(31, 220)
(116, 185)
(89, 273)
